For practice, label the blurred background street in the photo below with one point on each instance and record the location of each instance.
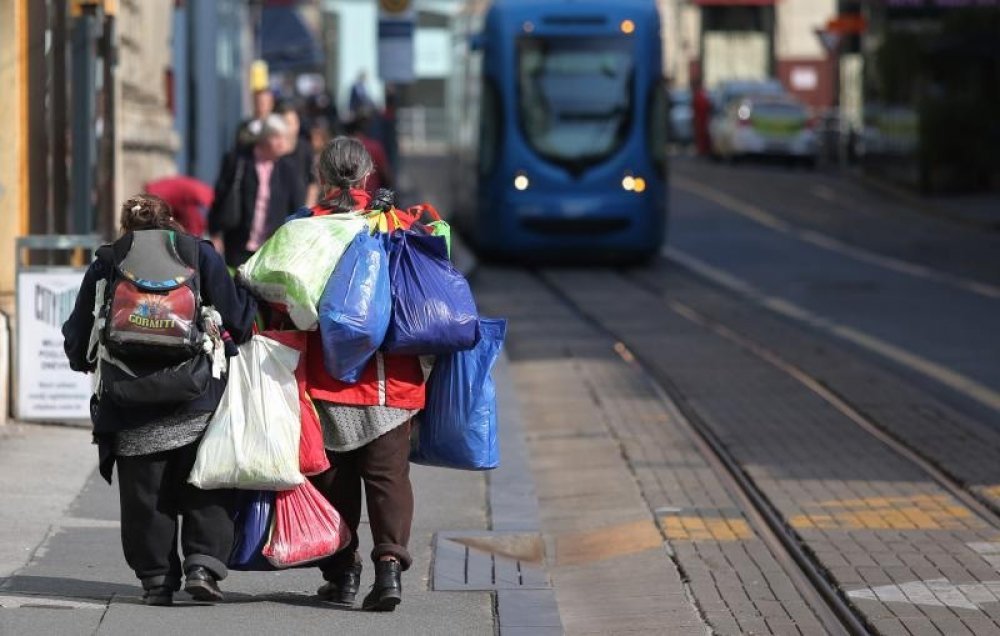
(749, 251)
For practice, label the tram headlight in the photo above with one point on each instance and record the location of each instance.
(639, 185)
(628, 182)
(627, 27)
(521, 181)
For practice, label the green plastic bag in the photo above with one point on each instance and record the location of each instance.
(441, 228)
(292, 268)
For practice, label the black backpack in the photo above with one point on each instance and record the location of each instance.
(153, 332)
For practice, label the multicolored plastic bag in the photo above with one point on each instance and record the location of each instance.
(252, 440)
(458, 427)
(355, 308)
(433, 311)
(292, 268)
(253, 519)
(306, 528)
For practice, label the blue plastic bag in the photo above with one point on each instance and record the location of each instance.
(253, 527)
(355, 308)
(433, 311)
(458, 428)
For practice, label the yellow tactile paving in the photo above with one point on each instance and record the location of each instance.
(693, 528)
(917, 512)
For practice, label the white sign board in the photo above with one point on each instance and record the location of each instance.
(47, 389)
(395, 46)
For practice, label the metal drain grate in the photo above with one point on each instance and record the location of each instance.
(489, 561)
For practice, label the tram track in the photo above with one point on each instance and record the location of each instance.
(832, 609)
(829, 599)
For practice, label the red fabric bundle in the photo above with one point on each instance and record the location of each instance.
(306, 528)
(312, 454)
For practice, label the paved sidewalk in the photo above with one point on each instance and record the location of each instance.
(77, 581)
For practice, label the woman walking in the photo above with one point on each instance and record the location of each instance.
(160, 360)
(366, 425)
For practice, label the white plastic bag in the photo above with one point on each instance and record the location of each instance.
(252, 441)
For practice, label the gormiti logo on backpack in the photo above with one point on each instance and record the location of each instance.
(151, 312)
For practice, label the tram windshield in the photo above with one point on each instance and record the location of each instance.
(575, 96)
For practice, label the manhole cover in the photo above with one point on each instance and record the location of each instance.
(489, 561)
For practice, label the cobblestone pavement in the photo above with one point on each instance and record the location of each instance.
(910, 556)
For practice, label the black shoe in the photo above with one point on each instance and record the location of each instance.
(202, 586)
(387, 592)
(343, 588)
(161, 596)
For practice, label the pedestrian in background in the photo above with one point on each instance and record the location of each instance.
(300, 149)
(701, 106)
(388, 134)
(256, 189)
(155, 444)
(360, 103)
(366, 426)
(263, 105)
(189, 198)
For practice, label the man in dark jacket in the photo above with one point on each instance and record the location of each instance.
(263, 185)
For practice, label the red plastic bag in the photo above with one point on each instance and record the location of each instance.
(312, 454)
(306, 528)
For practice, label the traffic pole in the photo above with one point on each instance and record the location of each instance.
(83, 107)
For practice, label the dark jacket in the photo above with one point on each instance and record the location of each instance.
(235, 304)
(288, 193)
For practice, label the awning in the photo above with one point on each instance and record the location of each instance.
(286, 42)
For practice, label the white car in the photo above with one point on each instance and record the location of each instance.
(765, 125)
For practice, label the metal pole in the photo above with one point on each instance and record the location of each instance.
(84, 106)
(58, 110)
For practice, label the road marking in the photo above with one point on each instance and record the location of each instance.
(762, 217)
(989, 551)
(956, 381)
(933, 593)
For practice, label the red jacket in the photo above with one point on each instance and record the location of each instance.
(387, 380)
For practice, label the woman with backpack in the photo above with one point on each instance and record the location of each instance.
(366, 426)
(164, 303)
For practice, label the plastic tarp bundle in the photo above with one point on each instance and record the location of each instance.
(306, 528)
(292, 268)
(252, 440)
(458, 428)
(253, 519)
(312, 454)
(433, 311)
(355, 308)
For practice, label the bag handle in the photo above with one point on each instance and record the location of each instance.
(427, 208)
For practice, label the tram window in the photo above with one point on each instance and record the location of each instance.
(575, 95)
(489, 127)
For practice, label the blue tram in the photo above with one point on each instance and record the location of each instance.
(560, 129)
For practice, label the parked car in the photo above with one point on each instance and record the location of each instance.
(765, 125)
(681, 117)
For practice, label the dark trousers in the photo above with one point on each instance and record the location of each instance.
(154, 493)
(384, 466)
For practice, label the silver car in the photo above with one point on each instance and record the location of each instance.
(765, 125)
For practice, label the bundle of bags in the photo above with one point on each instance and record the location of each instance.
(367, 285)
(264, 438)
